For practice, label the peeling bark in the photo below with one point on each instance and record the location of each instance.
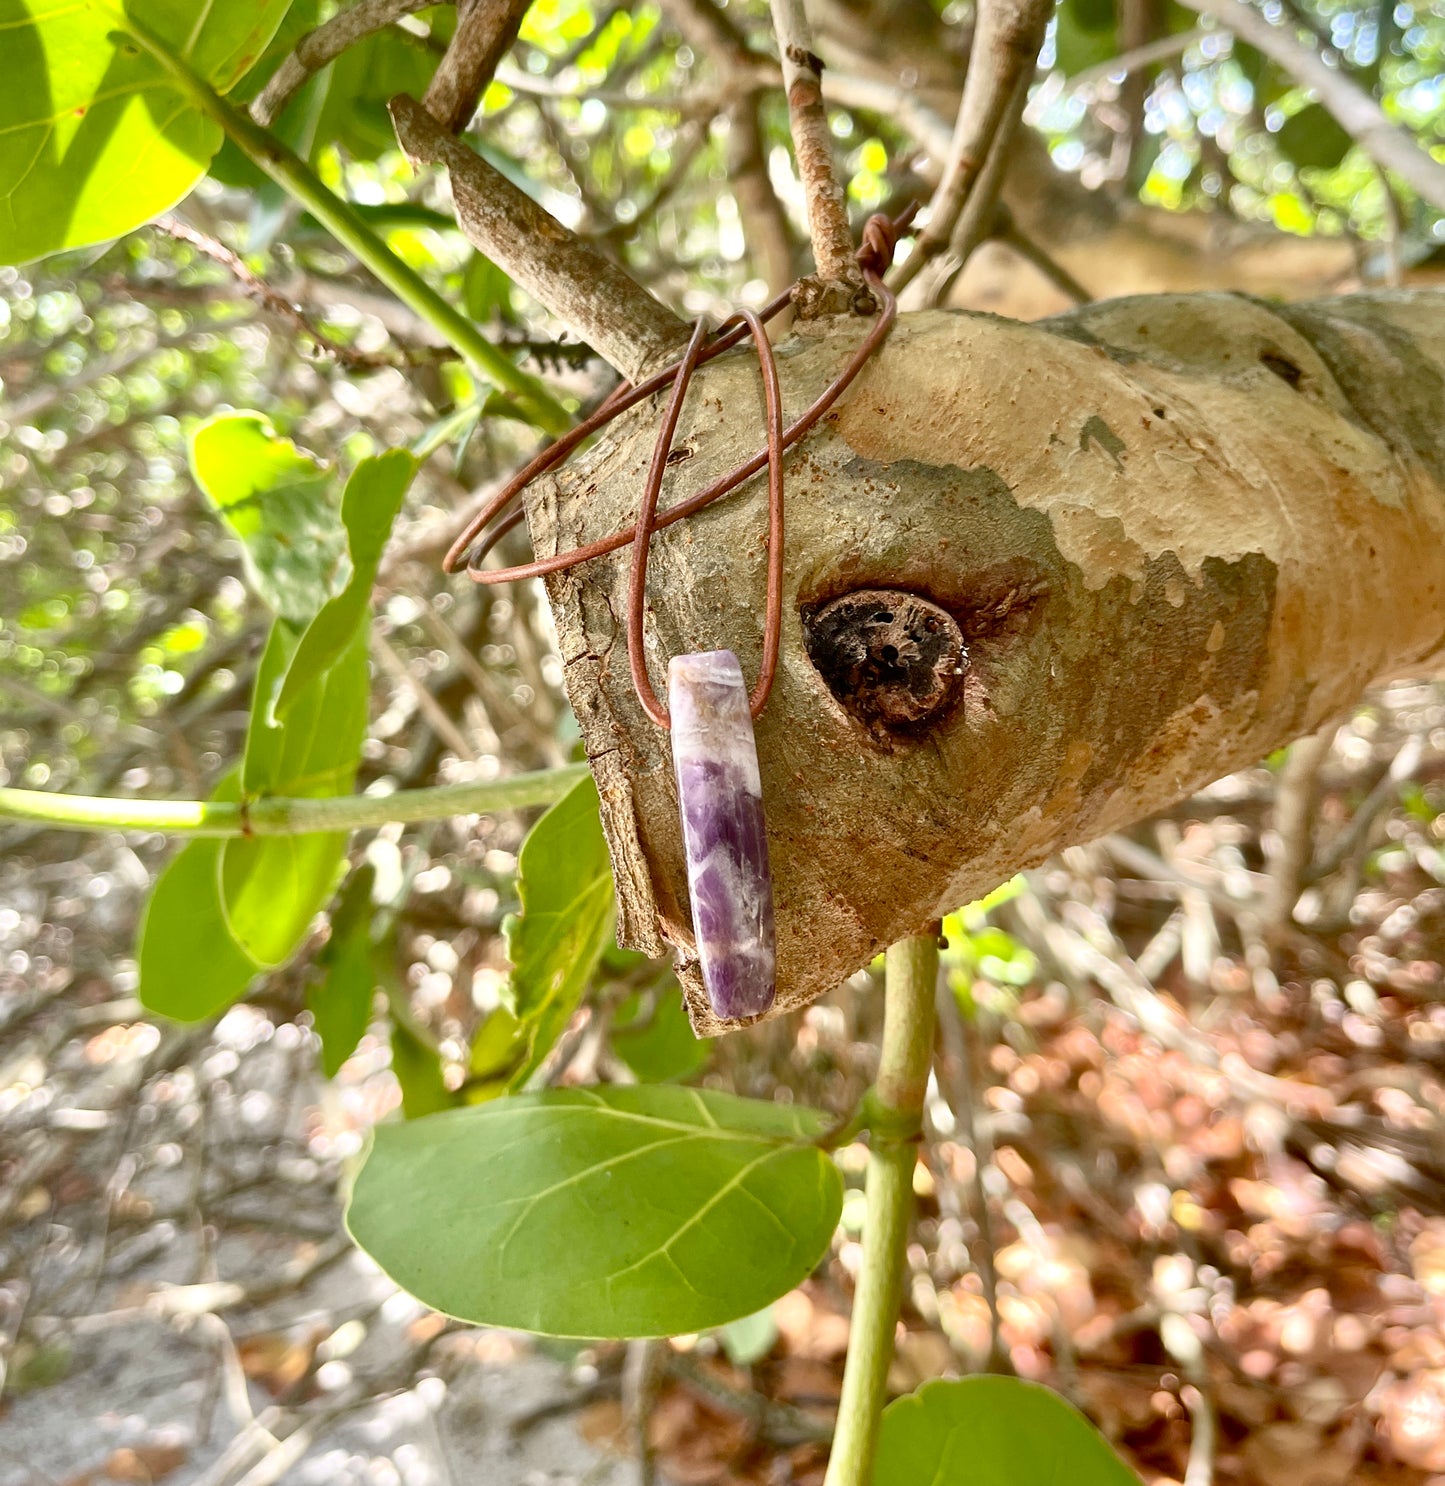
(1174, 532)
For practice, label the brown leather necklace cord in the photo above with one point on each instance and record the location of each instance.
(879, 239)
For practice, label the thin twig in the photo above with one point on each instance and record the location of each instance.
(1359, 115)
(324, 45)
(827, 206)
(1093, 79)
(1292, 845)
(1013, 236)
(271, 298)
(485, 32)
(1005, 47)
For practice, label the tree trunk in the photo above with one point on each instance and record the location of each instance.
(1173, 533)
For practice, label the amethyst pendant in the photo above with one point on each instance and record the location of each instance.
(720, 795)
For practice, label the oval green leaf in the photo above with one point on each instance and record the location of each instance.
(989, 1431)
(614, 1212)
(274, 497)
(96, 135)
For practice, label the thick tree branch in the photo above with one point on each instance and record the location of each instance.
(598, 301)
(1356, 112)
(485, 32)
(1005, 47)
(827, 206)
(324, 45)
(1173, 532)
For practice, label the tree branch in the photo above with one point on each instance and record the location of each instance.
(1005, 48)
(324, 45)
(598, 301)
(1354, 110)
(283, 817)
(485, 32)
(827, 206)
(1176, 531)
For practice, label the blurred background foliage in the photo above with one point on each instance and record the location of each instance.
(130, 643)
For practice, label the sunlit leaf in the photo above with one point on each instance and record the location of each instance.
(600, 1212)
(988, 1431)
(369, 506)
(564, 880)
(340, 1003)
(274, 497)
(96, 136)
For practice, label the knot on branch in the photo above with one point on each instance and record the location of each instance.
(894, 660)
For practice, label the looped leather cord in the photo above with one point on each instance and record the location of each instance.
(495, 520)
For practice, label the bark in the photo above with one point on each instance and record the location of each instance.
(599, 302)
(1174, 533)
(486, 30)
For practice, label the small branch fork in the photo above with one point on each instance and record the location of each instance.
(1000, 65)
(502, 512)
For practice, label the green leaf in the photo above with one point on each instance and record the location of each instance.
(96, 136)
(1085, 34)
(274, 497)
(418, 1069)
(565, 883)
(604, 1212)
(369, 506)
(1312, 139)
(273, 886)
(656, 1040)
(340, 1005)
(750, 1338)
(987, 1431)
(190, 967)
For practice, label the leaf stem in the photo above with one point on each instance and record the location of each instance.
(896, 1122)
(285, 817)
(340, 218)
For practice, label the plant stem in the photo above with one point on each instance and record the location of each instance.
(896, 1122)
(296, 177)
(283, 817)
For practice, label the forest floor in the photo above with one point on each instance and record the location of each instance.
(1186, 1164)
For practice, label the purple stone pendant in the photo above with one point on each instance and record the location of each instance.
(720, 795)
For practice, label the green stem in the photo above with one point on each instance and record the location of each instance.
(338, 216)
(897, 1122)
(279, 817)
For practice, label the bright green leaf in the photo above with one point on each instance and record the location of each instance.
(273, 886)
(340, 1004)
(565, 883)
(95, 135)
(600, 1212)
(987, 1431)
(369, 506)
(190, 967)
(273, 496)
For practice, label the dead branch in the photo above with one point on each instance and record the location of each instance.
(598, 302)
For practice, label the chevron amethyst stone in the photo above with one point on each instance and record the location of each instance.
(720, 795)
